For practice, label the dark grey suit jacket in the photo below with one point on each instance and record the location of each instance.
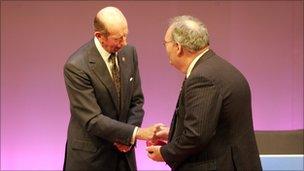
(96, 119)
(212, 126)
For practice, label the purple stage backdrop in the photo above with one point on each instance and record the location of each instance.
(263, 39)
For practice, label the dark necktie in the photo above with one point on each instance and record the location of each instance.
(115, 75)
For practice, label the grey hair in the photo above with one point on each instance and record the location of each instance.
(189, 32)
(100, 26)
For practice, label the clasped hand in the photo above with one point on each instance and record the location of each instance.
(155, 136)
(147, 134)
(154, 144)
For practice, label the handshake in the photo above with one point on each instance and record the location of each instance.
(156, 134)
(155, 137)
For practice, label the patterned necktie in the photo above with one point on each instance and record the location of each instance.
(115, 75)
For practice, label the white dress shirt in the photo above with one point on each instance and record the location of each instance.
(105, 56)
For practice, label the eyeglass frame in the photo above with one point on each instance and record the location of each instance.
(165, 42)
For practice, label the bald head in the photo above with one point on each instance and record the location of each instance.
(110, 20)
(111, 29)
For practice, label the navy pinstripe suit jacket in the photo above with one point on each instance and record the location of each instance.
(212, 126)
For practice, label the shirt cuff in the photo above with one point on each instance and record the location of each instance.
(134, 135)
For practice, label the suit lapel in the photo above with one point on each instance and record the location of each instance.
(172, 127)
(123, 68)
(176, 112)
(174, 119)
(100, 69)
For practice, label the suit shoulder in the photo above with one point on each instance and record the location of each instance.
(130, 52)
(79, 57)
(216, 65)
(129, 47)
(218, 70)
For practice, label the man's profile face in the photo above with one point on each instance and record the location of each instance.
(116, 40)
(168, 43)
(173, 50)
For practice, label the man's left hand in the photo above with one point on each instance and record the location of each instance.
(122, 148)
(154, 153)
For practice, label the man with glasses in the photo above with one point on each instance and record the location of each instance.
(212, 125)
(106, 99)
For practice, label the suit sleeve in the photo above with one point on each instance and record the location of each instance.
(85, 109)
(136, 112)
(202, 107)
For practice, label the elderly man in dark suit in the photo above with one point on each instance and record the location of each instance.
(212, 125)
(106, 99)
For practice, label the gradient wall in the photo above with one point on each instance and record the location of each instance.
(263, 39)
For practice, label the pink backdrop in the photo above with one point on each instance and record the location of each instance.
(263, 39)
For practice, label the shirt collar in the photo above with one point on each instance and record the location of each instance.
(104, 54)
(190, 68)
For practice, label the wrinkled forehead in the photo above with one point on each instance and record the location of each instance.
(118, 29)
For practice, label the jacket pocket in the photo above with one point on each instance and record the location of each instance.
(84, 146)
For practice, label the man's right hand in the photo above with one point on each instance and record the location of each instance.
(162, 133)
(160, 138)
(148, 133)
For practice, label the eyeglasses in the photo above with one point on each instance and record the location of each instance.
(165, 42)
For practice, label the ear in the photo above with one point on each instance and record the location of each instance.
(97, 34)
(179, 51)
